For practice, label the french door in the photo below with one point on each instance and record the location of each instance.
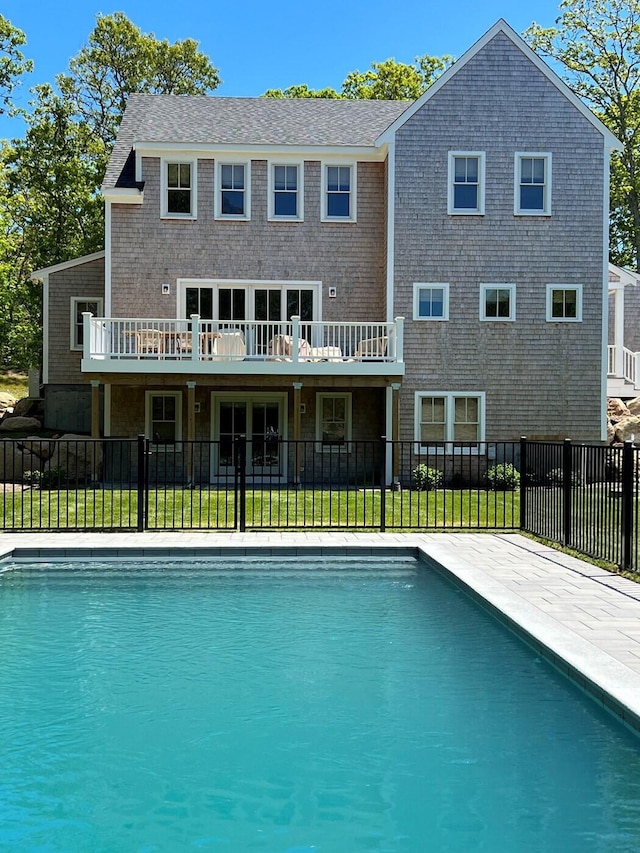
(261, 418)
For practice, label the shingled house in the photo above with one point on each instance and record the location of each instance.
(338, 270)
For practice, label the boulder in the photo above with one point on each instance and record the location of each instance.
(41, 447)
(29, 407)
(616, 409)
(73, 454)
(14, 461)
(19, 424)
(611, 432)
(628, 429)
(634, 406)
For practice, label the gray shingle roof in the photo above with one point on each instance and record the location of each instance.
(246, 121)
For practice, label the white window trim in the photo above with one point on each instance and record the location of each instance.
(578, 290)
(251, 285)
(164, 163)
(353, 195)
(417, 286)
(453, 211)
(163, 448)
(334, 448)
(512, 302)
(73, 344)
(231, 217)
(519, 156)
(271, 217)
(448, 447)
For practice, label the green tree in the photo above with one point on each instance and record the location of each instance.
(388, 80)
(598, 43)
(12, 61)
(118, 59)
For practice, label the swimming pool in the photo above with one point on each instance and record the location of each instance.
(350, 706)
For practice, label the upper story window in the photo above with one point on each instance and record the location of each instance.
(179, 190)
(498, 302)
(233, 197)
(78, 306)
(532, 184)
(564, 303)
(338, 193)
(286, 191)
(430, 301)
(466, 182)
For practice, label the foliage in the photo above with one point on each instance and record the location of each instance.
(14, 383)
(118, 59)
(12, 62)
(503, 477)
(388, 80)
(426, 479)
(598, 43)
(52, 478)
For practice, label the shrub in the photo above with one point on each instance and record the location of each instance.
(426, 479)
(555, 477)
(52, 478)
(503, 478)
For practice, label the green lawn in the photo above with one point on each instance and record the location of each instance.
(279, 509)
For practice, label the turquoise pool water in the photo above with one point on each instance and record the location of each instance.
(242, 707)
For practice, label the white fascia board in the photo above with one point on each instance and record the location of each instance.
(258, 152)
(122, 195)
(343, 369)
(65, 265)
(626, 276)
(502, 26)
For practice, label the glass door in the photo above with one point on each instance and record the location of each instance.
(259, 418)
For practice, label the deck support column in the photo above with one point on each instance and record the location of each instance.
(191, 428)
(95, 426)
(297, 460)
(392, 431)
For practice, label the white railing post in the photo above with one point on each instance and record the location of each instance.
(618, 330)
(195, 337)
(400, 339)
(636, 368)
(86, 334)
(295, 337)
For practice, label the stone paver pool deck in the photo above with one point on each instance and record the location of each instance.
(583, 618)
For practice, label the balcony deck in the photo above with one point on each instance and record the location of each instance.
(243, 347)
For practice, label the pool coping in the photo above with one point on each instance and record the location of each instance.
(466, 559)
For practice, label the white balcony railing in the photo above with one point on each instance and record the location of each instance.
(630, 371)
(115, 339)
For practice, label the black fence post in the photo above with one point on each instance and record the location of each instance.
(628, 454)
(142, 482)
(567, 494)
(383, 483)
(240, 514)
(523, 482)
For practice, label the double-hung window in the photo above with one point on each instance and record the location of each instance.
(338, 193)
(78, 307)
(333, 421)
(532, 184)
(445, 417)
(286, 191)
(564, 303)
(179, 190)
(163, 418)
(498, 302)
(430, 301)
(466, 182)
(233, 195)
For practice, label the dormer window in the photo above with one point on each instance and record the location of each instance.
(179, 190)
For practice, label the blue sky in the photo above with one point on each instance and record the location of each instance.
(257, 46)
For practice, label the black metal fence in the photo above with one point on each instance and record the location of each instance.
(581, 496)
